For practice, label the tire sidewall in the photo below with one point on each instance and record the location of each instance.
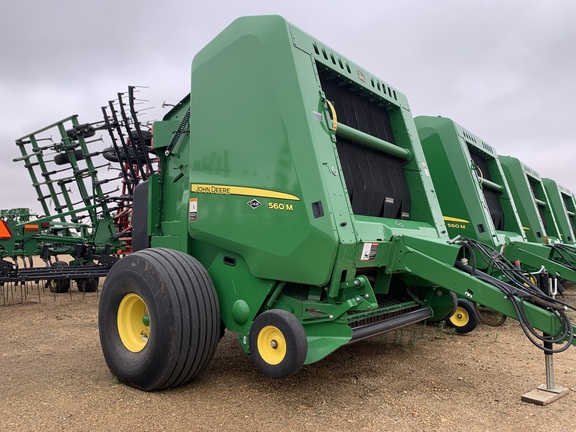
(140, 369)
(296, 343)
(472, 317)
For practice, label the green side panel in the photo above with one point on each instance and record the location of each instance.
(249, 124)
(168, 193)
(531, 201)
(563, 208)
(325, 338)
(264, 160)
(233, 278)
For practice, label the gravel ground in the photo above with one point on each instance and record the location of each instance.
(420, 378)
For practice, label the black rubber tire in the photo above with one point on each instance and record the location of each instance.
(488, 316)
(84, 130)
(63, 159)
(58, 286)
(88, 285)
(464, 319)
(184, 319)
(110, 155)
(296, 343)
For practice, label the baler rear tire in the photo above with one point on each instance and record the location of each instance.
(159, 319)
(278, 343)
(464, 319)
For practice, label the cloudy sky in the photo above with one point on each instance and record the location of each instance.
(505, 70)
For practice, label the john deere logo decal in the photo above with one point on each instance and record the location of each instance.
(254, 203)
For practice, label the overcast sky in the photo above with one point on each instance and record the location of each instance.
(505, 70)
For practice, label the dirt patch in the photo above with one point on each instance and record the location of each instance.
(419, 378)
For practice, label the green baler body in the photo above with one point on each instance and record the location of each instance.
(475, 197)
(531, 201)
(564, 209)
(300, 184)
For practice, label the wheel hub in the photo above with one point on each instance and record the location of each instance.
(133, 322)
(271, 345)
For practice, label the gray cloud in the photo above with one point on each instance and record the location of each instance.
(504, 70)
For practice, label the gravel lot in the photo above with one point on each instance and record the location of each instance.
(420, 378)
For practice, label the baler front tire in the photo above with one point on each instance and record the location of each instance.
(464, 319)
(278, 343)
(159, 319)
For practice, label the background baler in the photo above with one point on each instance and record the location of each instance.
(295, 208)
(563, 207)
(476, 199)
(531, 201)
(535, 211)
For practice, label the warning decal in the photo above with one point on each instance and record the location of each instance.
(193, 210)
(369, 252)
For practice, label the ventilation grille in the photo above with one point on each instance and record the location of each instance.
(375, 181)
(478, 143)
(344, 66)
(540, 208)
(491, 196)
(570, 208)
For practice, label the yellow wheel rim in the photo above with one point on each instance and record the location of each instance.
(271, 345)
(460, 318)
(132, 321)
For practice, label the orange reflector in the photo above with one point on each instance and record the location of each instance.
(5, 233)
(31, 228)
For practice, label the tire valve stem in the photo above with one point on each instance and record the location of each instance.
(146, 319)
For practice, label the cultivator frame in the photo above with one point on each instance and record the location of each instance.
(92, 230)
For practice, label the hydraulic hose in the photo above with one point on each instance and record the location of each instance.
(518, 288)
